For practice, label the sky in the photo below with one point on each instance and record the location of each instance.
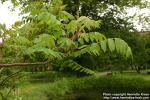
(7, 17)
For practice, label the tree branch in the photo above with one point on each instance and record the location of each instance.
(23, 64)
(76, 34)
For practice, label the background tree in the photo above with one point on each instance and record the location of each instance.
(115, 22)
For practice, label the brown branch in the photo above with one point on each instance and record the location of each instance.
(23, 64)
(76, 34)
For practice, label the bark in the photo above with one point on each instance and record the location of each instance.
(76, 34)
(23, 64)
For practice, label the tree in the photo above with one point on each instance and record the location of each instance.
(115, 23)
(111, 12)
(51, 34)
(147, 50)
(138, 45)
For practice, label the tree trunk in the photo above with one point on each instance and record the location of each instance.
(138, 69)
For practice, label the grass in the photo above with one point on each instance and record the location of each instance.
(64, 87)
(85, 88)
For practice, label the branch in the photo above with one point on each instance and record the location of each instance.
(23, 64)
(28, 64)
(76, 34)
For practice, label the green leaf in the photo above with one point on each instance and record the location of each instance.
(123, 48)
(81, 41)
(48, 52)
(86, 22)
(63, 42)
(86, 38)
(118, 44)
(45, 40)
(22, 41)
(72, 26)
(103, 45)
(77, 67)
(111, 44)
(65, 16)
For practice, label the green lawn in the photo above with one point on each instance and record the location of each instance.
(87, 88)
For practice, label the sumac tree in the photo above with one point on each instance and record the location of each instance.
(51, 34)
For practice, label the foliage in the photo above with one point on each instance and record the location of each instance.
(111, 13)
(114, 23)
(55, 34)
